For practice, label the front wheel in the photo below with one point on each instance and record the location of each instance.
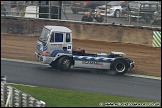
(119, 66)
(54, 65)
(64, 63)
(117, 14)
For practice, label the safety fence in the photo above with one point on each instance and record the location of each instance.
(156, 39)
(37, 10)
(11, 97)
(65, 11)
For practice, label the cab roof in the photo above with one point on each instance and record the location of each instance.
(58, 28)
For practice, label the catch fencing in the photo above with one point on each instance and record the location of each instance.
(63, 11)
(110, 32)
(11, 97)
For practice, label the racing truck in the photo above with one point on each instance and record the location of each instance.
(54, 47)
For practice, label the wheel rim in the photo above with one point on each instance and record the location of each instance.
(66, 64)
(117, 13)
(120, 67)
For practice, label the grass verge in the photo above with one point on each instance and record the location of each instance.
(68, 98)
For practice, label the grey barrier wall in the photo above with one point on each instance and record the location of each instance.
(11, 97)
(81, 30)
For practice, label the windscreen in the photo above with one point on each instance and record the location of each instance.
(134, 5)
(44, 35)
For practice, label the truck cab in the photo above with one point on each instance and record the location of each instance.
(53, 40)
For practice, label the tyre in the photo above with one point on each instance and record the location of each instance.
(117, 14)
(119, 66)
(64, 63)
(54, 65)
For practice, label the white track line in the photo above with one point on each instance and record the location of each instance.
(143, 76)
(23, 85)
(24, 61)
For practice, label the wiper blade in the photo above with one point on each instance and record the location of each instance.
(40, 39)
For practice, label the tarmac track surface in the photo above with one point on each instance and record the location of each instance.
(94, 81)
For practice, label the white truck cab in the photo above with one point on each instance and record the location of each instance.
(54, 40)
(54, 47)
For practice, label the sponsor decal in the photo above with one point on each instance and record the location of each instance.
(92, 62)
(56, 44)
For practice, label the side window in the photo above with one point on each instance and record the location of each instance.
(67, 37)
(52, 37)
(153, 7)
(146, 6)
(58, 37)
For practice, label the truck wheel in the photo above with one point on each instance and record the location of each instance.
(64, 63)
(54, 65)
(117, 13)
(119, 66)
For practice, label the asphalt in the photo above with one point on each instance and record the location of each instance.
(93, 81)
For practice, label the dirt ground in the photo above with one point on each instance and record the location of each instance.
(147, 59)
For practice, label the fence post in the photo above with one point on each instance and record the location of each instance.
(26, 100)
(3, 93)
(19, 99)
(36, 11)
(49, 10)
(11, 101)
(34, 103)
(3, 90)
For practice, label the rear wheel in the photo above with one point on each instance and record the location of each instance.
(119, 66)
(64, 63)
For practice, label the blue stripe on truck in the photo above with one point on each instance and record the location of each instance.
(55, 52)
(101, 59)
(44, 47)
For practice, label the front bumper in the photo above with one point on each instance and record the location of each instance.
(43, 59)
(132, 65)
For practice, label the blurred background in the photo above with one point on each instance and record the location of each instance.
(137, 13)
